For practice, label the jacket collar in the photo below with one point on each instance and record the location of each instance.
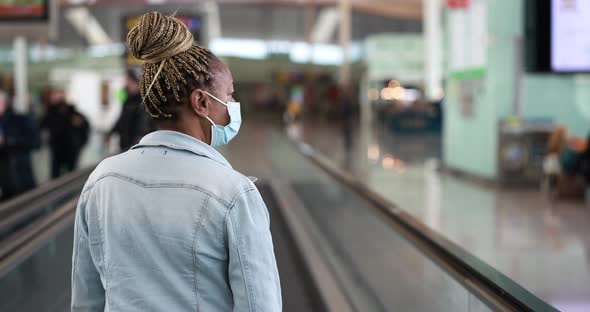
(179, 141)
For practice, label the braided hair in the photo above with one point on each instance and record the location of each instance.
(174, 65)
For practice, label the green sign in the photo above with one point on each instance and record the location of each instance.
(395, 56)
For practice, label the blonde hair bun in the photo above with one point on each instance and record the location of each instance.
(173, 63)
(158, 37)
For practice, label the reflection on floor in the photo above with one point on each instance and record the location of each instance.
(542, 245)
(378, 268)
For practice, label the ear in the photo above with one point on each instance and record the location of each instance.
(199, 103)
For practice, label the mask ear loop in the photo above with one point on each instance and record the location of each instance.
(211, 121)
(218, 100)
(207, 117)
(212, 131)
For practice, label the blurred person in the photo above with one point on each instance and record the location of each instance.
(564, 152)
(346, 115)
(346, 118)
(45, 97)
(68, 133)
(102, 128)
(169, 225)
(133, 123)
(105, 120)
(584, 165)
(294, 109)
(19, 135)
(566, 166)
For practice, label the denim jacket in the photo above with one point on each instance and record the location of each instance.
(170, 226)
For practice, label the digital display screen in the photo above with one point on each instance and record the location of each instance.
(23, 9)
(570, 39)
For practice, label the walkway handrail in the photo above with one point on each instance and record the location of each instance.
(489, 285)
(22, 208)
(17, 247)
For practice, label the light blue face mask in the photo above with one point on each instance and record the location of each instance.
(221, 135)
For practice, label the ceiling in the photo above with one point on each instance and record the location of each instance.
(271, 21)
(291, 20)
(391, 8)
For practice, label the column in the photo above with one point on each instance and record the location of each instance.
(21, 102)
(344, 35)
(432, 28)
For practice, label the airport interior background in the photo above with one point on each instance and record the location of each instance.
(414, 155)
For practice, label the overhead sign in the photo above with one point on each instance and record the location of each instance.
(23, 10)
(395, 56)
(468, 38)
(457, 4)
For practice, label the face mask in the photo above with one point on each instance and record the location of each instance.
(221, 135)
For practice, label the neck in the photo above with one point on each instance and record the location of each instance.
(193, 129)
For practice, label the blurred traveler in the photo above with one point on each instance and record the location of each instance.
(68, 133)
(347, 115)
(585, 170)
(19, 135)
(169, 225)
(564, 153)
(566, 165)
(45, 97)
(104, 123)
(133, 123)
(101, 128)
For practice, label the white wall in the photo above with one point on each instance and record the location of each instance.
(83, 91)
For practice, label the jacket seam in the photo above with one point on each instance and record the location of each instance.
(196, 261)
(105, 269)
(183, 148)
(235, 198)
(243, 266)
(77, 246)
(158, 185)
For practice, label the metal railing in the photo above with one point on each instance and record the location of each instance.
(27, 222)
(21, 209)
(492, 287)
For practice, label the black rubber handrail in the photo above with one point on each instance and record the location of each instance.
(49, 187)
(18, 238)
(27, 240)
(20, 210)
(497, 290)
(30, 220)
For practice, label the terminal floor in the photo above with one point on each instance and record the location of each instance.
(378, 269)
(541, 244)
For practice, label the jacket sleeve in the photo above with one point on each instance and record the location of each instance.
(87, 291)
(253, 274)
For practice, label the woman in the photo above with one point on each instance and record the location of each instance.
(169, 225)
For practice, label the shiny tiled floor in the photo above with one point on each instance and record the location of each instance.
(42, 282)
(540, 244)
(379, 269)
